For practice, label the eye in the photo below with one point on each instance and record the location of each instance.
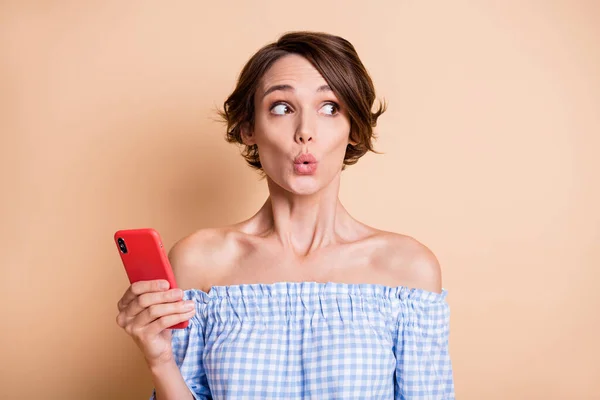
(280, 109)
(330, 109)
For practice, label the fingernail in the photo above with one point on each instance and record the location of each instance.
(189, 305)
(163, 284)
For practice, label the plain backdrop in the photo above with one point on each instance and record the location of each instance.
(108, 121)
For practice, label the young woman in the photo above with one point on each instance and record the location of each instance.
(301, 300)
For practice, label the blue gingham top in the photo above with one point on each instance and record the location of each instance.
(308, 340)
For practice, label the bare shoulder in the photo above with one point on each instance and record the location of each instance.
(199, 258)
(408, 261)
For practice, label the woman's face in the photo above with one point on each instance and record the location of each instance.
(300, 127)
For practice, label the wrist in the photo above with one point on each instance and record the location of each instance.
(162, 364)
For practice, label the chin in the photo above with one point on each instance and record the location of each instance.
(304, 185)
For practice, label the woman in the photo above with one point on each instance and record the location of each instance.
(301, 300)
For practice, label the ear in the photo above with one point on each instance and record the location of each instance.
(351, 134)
(350, 141)
(247, 134)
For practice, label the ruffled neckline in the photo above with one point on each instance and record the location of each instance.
(277, 289)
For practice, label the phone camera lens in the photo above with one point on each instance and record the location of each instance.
(122, 246)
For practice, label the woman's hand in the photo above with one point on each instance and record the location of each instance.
(146, 310)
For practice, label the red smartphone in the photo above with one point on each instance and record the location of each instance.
(144, 258)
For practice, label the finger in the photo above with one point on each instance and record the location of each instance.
(152, 299)
(157, 285)
(166, 321)
(152, 313)
(123, 319)
(140, 287)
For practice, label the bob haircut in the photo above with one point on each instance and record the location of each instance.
(337, 61)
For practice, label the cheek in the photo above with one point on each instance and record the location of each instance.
(337, 136)
(274, 132)
(273, 142)
(271, 139)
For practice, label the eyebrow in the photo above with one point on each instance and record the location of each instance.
(289, 88)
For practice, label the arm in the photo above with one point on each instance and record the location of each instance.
(183, 376)
(423, 366)
(169, 383)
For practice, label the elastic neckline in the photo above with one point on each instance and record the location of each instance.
(257, 290)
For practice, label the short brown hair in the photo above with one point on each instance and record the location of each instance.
(337, 61)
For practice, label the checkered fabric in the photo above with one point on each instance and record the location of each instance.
(309, 340)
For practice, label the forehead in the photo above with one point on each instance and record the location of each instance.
(292, 69)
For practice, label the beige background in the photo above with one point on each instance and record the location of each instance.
(107, 121)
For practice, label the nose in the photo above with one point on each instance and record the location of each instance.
(305, 131)
(303, 137)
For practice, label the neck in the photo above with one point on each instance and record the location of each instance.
(304, 223)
